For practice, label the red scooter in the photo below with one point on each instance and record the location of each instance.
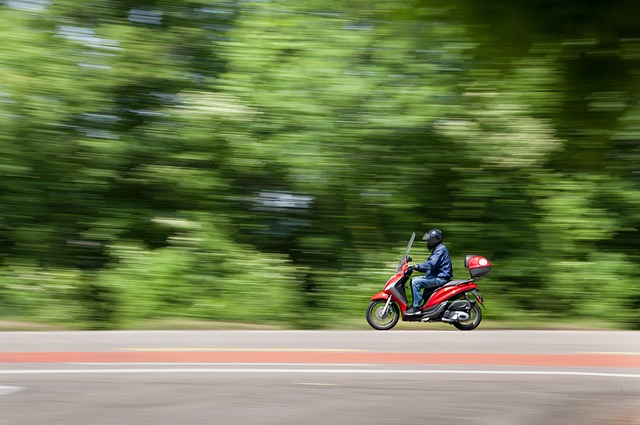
(449, 303)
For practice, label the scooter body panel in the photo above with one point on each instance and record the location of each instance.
(449, 292)
(394, 280)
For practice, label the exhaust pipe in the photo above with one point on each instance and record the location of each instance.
(455, 316)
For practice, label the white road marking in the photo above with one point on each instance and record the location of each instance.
(317, 384)
(10, 390)
(209, 364)
(295, 350)
(319, 371)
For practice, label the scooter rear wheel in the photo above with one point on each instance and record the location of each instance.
(379, 321)
(474, 320)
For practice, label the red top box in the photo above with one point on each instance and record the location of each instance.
(478, 266)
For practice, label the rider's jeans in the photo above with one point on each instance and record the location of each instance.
(418, 283)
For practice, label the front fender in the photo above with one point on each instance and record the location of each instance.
(380, 296)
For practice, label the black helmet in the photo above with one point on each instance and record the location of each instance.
(433, 238)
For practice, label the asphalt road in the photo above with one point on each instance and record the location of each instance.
(319, 377)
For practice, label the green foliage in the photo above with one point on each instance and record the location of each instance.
(264, 162)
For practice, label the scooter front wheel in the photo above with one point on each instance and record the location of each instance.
(378, 318)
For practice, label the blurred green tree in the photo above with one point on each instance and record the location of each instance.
(199, 159)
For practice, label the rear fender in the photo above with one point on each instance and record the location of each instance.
(476, 293)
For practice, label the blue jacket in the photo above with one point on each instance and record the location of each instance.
(438, 264)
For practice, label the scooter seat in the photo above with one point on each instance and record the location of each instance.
(456, 282)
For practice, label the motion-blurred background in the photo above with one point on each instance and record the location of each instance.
(265, 161)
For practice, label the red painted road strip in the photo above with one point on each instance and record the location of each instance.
(552, 360)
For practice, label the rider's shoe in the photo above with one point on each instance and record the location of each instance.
(412, 310)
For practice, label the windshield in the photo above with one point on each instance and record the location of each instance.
(404, 256)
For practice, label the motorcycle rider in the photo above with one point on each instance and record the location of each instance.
(438, 269)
